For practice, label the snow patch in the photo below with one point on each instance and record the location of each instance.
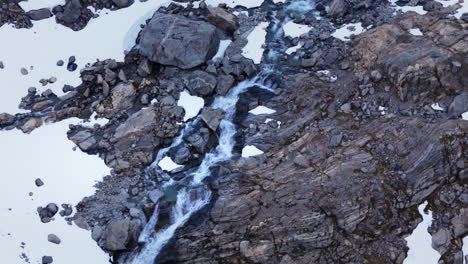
(191, 104)
(344, 33)
(291, 50)
(168, 164)
(262, 110)
(38, 4)
(254, 48)
(404, 9)
(38, 49)
(437, 107)
(68, 176)
(234, 3)
(223, 45)
(465, 117)
(420, 241)
(250, 151)
(415, 32)
(294, 30)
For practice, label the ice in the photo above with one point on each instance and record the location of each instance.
(294, 30)
(250, 151)
(168, 164)
(254, 50)
(223, 45)
(38, 4)
(191, 104)
(437, 107)
(420, 241)
(262, 110)
(47, 42)
(68, 176)
(344, 32)
(415, 32)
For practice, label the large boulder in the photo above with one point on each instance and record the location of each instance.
(222, 19)
(178, 41)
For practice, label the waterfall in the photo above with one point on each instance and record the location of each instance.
(195, 194)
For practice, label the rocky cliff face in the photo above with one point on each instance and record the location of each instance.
(353, 147)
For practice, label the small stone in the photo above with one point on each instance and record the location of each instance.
(461, 164)
(24, 71)
(335, 140)
(52, 238)
(32, 90)
(376, 76)
(39, 182)
(2, 65)
(47, 260)
(346, 108)
(52, 79)
(134, 212)
(301, 161)
(60, 63)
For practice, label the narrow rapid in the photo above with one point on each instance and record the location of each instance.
(192, 192)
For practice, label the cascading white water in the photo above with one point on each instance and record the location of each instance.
(195, 194)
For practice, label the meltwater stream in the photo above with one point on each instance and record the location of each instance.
(194, 194)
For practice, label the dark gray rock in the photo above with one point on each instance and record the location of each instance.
(222, 19)
(459, 105)
(335, 140)
(47, 260)
(201, 83)
(71, 12)
(39, 14)
(337, 8)
(38, 182)
(212, 117)
(178, 41)
(116, 234)
(182, 155)
(122, 3)
(225, 82)
(52, 238)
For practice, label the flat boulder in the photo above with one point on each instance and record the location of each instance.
(178, 41)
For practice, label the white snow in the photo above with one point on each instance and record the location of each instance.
(94, 121)
(345, 31)
(234, 3)
(465, 249)
(191, 104)
(47, 42)
(249, 151)
(465, 116)
(254, 48)
(223, 45)
(420, 241)
(415, 32)
(417, 9)
(168, 164)
(38, 4)
(269, 119)
(262, 110)
(437, 107)
(293, 49)
(294, 30)
(68, 176)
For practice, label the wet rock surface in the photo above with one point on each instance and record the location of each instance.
(353, 147)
